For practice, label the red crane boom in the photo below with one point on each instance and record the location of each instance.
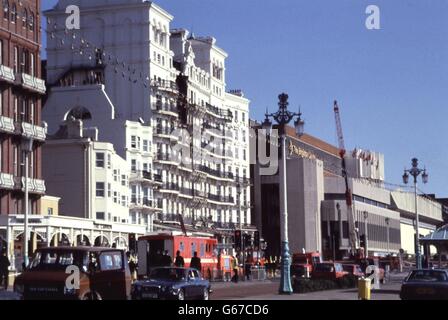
(353, 234)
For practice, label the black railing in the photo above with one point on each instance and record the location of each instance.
(166, 107)
(158, 177)
(165, 84)
(171, 186)
(187, 191)
(219, 198)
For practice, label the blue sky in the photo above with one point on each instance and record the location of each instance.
(391, 83)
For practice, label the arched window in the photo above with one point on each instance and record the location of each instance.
(79, 113)
(31, 22)
(14, 13)
(24, 18)
(6, 9)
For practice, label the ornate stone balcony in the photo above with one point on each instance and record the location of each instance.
(6, 181)
(31, 83)
(7, 125)
(7, 74)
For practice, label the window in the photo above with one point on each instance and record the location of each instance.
(6, 9)
(100, 216)
(133, 142)
(109, 190)
(100, 189)
(109, 161)
(14, 13)
(123, 180)
(134, 165)
(116, 197)
(24, 18)
(146, 145)
(100, 160)
(50, 211)
(31, 22)
(31, 68)
(16, 59)
(123, 201)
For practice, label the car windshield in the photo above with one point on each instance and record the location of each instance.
(428, 276)
(172, 274)
(58, 260)
(325, 268)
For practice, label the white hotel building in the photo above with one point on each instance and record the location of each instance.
(189, 153)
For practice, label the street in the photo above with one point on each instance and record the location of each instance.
(267, 290)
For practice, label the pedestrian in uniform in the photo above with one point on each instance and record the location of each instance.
(4, 270)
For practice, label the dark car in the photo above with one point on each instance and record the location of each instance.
(172, 284)
(103, 275)
(425, 284)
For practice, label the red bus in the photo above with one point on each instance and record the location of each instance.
(150, 245)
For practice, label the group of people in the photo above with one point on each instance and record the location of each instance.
(160, 259)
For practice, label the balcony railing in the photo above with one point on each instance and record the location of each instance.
(168, 157)
(7, 74)
(215, 173)
(34, 185)
(143, 175)
(164, 130)
(187, 191)
(145, 203)
(166, 107)
(165, 84)
(219, 198)
(29, 131)
(226, 114)
(7, 125)
(32, 83)
(200, 194)
(171, 187)
(6, 181)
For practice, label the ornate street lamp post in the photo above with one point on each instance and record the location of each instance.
(283, 117)
(415, 172)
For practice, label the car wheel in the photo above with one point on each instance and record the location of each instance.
(205, 295)
(181, 295)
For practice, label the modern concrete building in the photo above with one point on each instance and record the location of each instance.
(135, 69)
(318, 218)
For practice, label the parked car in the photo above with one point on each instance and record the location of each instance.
(354, 269)
(328, 271)
(172, 284)
(425, 284)
(103, 275)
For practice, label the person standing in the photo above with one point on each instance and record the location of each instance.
(4, 270)
(196, 262)
(166, 259)
(179, 262)
(235, 269)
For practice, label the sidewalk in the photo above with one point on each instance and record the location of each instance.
(8, 295)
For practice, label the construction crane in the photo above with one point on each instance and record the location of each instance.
(353, 233)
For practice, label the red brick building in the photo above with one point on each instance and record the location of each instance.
(21, 90)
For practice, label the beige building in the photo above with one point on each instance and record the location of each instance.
(49, 206)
